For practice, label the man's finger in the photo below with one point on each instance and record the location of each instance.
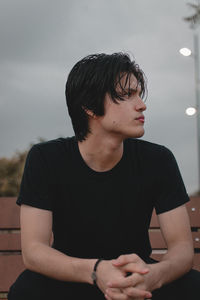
(126, 258)
(127, 294)
(107, 297)
(134, 268)
(113, 295)
(126, 282)
(135, 292)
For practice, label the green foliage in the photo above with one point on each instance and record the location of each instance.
(11, 171)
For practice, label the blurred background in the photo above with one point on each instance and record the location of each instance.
(41, 40)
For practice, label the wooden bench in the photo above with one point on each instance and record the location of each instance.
(11, 263)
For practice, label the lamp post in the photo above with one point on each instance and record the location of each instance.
(197, 94)
(194, 20)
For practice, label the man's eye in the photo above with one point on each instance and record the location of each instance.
(128, 93)
(125, 95)
(131, 93)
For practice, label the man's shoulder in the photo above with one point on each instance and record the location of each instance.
(146, 145)
(149, 149)
(53, 147)
(53, 142)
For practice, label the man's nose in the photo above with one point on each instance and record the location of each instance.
(140, 106)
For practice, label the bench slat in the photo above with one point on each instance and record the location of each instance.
(193, 207)
(9, 213)
(10, 267)
(10, 241)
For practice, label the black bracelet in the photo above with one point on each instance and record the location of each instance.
(94, 275)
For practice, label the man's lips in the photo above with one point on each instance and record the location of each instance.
(141, 118)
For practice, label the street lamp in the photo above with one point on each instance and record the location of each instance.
(185, 51)
(194, 20)
(190, 111)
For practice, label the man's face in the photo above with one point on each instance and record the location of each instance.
(125, 119)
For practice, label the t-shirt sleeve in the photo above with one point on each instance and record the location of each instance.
(35, 189)
(171, 189)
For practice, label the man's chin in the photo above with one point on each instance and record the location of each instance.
(137, 134)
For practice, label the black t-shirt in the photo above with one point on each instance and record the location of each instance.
(101, 214)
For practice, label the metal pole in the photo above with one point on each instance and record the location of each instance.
(197, 93)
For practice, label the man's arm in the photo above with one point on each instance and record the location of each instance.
(176, 230)
(39, 256)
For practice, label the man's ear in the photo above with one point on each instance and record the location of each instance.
(89, 112)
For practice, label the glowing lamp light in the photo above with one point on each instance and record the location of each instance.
(191, 111)
(185, 51)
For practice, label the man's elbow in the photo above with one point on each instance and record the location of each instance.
(188, 250)
(29, 256)
(184, 252)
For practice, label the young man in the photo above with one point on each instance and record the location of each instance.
(96, 192)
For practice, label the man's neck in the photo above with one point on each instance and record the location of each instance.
(101, 154)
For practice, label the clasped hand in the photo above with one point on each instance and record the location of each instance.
(116, 285)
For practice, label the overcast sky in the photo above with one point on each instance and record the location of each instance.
(41, 40)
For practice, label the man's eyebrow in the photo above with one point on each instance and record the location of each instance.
(131, 89)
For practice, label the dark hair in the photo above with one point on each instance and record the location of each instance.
(89, 81)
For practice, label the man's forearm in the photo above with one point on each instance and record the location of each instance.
(175, 263)
(55, 264)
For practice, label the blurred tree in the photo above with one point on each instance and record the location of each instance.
(194, 19)
(11, 171)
